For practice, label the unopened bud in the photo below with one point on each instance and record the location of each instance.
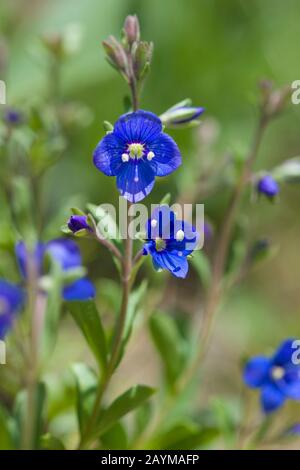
(131, 29)
(116, 54)
(142, 55)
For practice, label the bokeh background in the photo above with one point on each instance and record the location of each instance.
(214, 52)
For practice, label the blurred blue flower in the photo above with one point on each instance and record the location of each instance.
(78, 222)
(67, 254)
(169, 241)
(268, 186)
(277, 377)
(11, 300)
(13, 117)
(135, 152)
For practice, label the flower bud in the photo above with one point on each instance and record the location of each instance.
(131, 29)
(268, 186)
(181, 116)
(273, 101)
(116, 54)
(77, 223)
(142, 55)
(13, 117)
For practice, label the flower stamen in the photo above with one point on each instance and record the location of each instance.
(125, 157)
(160, 244)
(179, 235)
(136, 151)
(150, 156)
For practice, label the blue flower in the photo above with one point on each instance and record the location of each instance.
(67, 254)
(277, 377)
(78, 222)
(11, 300)
(137, 151)
(13, 117)
(169, 241)
(268, 186)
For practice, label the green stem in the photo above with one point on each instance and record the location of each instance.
(87, 435)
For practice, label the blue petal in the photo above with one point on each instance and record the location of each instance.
(167, 155)
(23, 255)
(135, 180)
(290, 383)
(283, 355)
(108, 154)
(65, 252)
(11, 297)
(271, 398)
(11, 300)
(83, 289)
(190, 241)
(177, 265)
(164, 219)
(256, 371)
(6, 324)
(138, 127)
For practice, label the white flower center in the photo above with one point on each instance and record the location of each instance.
(277, 372)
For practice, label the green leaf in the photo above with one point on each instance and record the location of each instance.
(49, 442)
(76, 211)
(186, 435)
(124, 404)
(86, 386)
(88, 320)
(288, 171)
(202, 266)
(169, 343)
(53, 307)
(6, 438)
(115, 438)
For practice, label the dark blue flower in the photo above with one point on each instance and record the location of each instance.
(13, 117)
(278, 377)
(78, 222)
(268, 186)
(11, 300)
(82, 289)
(137, 151)
(169, 241)
(66, 253)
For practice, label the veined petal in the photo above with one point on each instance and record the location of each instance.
(271, 398)
(256, 371)
(65, 252)
(167, 155)
(177, 265)
(140, 126)
(135, 180)
(108, 155)
(83, 289)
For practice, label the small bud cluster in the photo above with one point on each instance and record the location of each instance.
(130, 56)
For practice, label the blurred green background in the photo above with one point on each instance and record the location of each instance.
(214, 52)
